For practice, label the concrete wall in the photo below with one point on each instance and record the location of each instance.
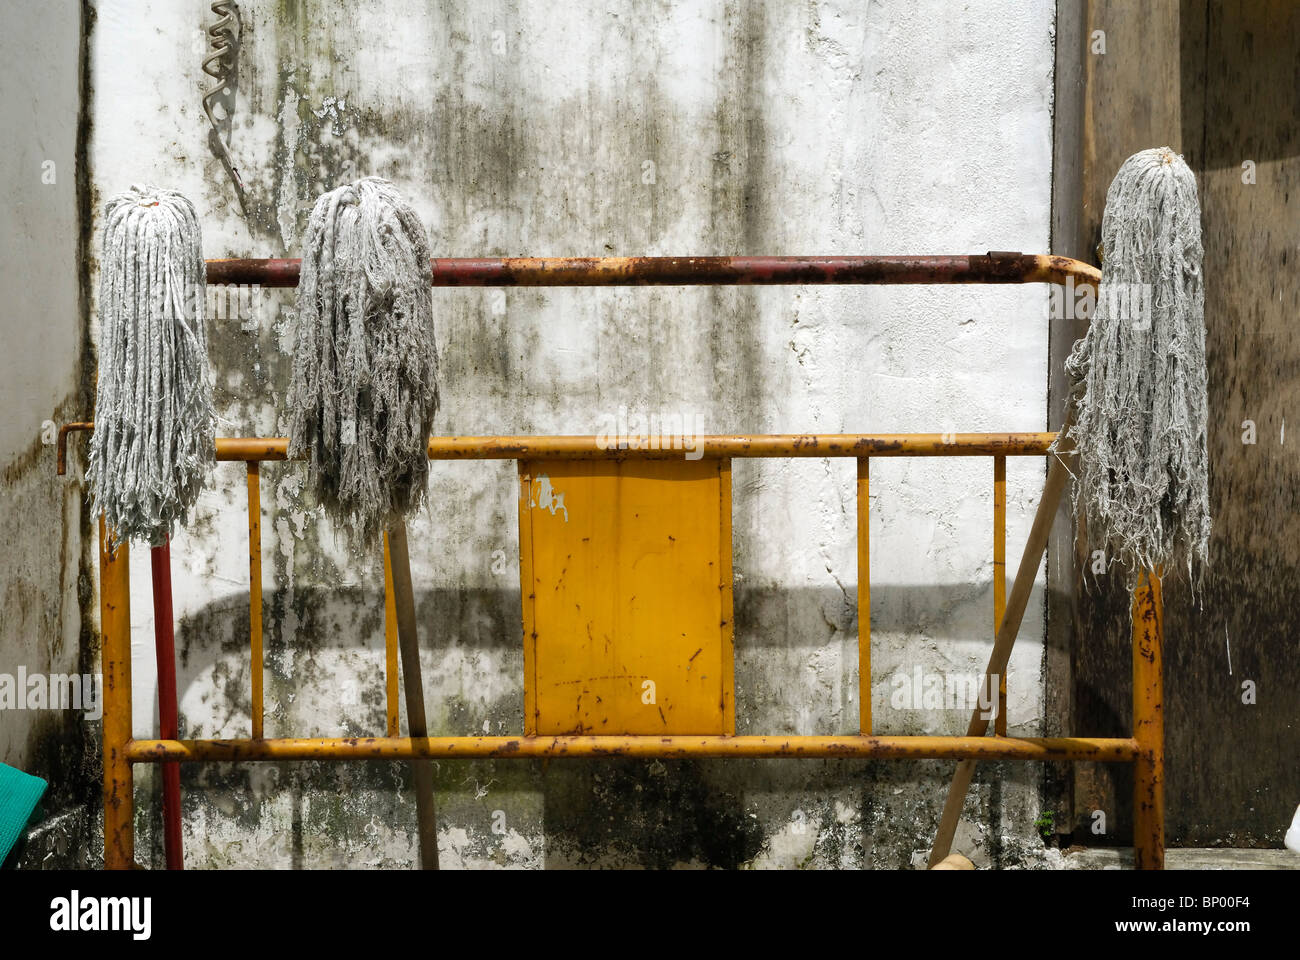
(614, 128)
(1180, 68)
(46, 580)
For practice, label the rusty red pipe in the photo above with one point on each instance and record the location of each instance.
(992, 267)
(160, 562)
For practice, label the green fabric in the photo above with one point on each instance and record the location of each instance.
(19, 795)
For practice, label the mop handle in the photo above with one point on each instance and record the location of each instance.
(168, 720)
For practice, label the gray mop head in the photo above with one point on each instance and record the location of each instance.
(364, 388)
(1139, 394)
(152, 444)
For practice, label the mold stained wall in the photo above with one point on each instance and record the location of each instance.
(613, 128)
(45, 562)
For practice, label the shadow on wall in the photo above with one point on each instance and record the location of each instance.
(611, 812)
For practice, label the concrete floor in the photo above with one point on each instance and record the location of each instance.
(1191, 858)
(72, 841)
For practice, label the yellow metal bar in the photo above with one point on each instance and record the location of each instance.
(528, 599)
(115, 640)
(864, 596)
(725, 586)
(390, 643)
(716, 447)
(1148, 725)
(1000, 577)
(726, 446)
(1095, 749)
(255, 591)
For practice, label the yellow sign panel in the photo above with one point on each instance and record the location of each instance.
(626, 575)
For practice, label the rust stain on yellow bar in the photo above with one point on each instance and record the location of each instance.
(728, 446)
(723, 446)
(1096, 749)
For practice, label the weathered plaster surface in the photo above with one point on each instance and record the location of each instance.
(43, 567)
(615, 128)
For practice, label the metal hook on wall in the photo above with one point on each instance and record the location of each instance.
(219, 100)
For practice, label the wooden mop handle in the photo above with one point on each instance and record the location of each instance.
(1057, 477)
(408, 643)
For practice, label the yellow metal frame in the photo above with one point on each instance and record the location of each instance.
(121, 751)
(1144, 749)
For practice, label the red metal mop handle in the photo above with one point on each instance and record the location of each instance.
(160, 560)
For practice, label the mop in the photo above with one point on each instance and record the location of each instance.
(1142, 488)
(153, 442)
(363, 395)
(1137, 412)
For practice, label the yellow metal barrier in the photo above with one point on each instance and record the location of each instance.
(678, 512)
(564, 460)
